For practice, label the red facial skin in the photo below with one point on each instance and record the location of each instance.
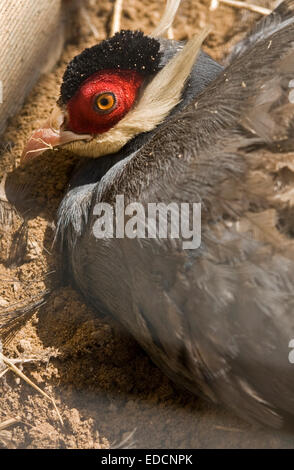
(82, 116)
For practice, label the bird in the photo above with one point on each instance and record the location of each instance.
(159, 121)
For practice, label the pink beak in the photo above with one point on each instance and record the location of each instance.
(51, 135)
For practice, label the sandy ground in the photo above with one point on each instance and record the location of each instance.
(105, 387)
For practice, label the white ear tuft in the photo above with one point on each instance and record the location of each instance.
(164, 91)
(167, 18)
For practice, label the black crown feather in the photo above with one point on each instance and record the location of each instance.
(126, 50)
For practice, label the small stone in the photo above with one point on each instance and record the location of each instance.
(15, 286)
(35, 320)
(24, 345)
(3, 302)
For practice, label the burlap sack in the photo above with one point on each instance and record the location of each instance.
(31, 40)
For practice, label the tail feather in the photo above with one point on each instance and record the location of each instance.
(278, 19)
(256, 90)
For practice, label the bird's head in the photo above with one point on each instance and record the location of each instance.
(114, 91)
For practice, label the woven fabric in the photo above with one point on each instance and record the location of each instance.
(31, 39)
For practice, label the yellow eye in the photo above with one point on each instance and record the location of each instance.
(105, 102)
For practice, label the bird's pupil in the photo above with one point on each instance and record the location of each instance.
(104, 101)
